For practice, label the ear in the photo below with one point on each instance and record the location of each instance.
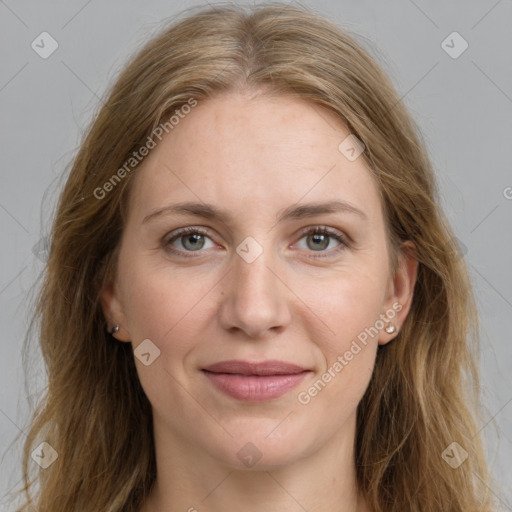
(113, 311)
(400, 291)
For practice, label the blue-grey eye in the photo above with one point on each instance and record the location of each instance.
(190, 239)
(318, 239)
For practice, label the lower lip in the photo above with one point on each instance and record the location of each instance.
(253, 388)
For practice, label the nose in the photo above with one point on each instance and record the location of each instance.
(257, 298)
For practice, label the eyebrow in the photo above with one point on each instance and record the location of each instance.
(208, 211)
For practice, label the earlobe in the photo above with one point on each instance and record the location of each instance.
(401, 292)
(114, 315)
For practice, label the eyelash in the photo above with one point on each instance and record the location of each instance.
(320, 230)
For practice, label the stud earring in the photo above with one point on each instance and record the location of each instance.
(390, 329)
(115, 330)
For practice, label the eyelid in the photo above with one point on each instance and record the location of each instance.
(177, 233)
(333, 232)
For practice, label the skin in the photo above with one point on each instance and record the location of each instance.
(254, 155)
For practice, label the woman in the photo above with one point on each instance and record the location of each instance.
(315, 349)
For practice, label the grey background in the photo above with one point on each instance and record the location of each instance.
(463, 106)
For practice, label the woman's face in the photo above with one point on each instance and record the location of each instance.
(255, 285)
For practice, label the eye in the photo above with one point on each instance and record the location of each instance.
(191, 240)
(318, 239)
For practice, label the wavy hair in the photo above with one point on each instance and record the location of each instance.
(424, 393)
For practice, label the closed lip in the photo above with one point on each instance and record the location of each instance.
(270, 367)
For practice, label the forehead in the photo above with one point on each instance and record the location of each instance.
(254, 155)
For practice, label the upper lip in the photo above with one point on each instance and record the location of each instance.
(270, 367)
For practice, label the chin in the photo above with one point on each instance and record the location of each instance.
(263, 445)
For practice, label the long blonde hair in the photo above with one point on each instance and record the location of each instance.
(424, 394)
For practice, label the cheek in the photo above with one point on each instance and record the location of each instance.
(165, 307)
(346, 349)
(346, 305)
(161, 304)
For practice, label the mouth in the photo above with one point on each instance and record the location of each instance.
(254, 382)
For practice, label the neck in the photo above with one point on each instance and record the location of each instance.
(189, 480)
